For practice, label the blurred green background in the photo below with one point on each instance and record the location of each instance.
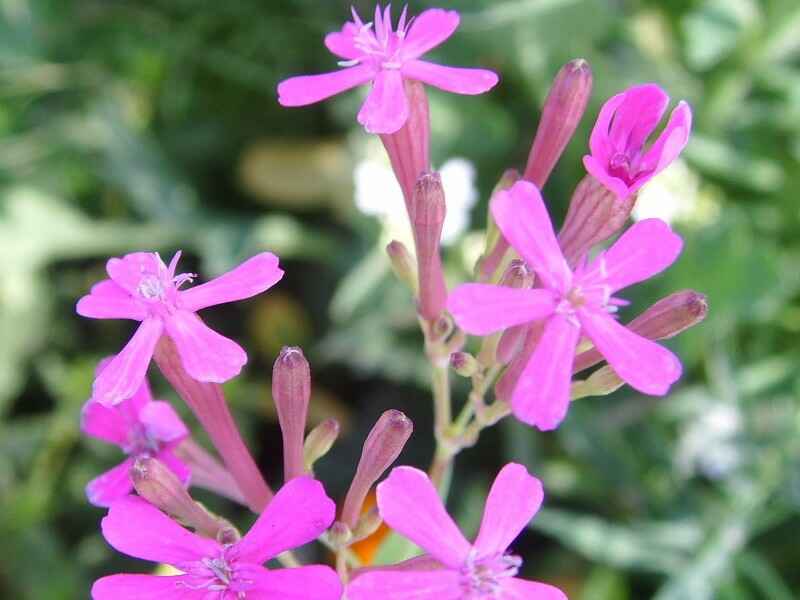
(153, 124)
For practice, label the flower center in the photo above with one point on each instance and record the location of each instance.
(482, 578)
(379, 42)
(620, 167)
(141, 442)
(151, 288)
(217, 576)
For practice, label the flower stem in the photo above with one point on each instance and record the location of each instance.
(207, 401)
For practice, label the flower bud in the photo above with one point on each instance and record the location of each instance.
(427, 211)
(565, 104)
(594, 215)
(518, 275)
(403, 265)
(157, 484)
(496, 244)
(464, 363)
(665, 319)
(381, 448)
(600, 383)
(409, 148)
(291, 391)
(319, 442)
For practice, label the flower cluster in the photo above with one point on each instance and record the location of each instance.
(544, 306)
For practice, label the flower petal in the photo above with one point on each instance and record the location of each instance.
(252, 277)
(410, 505)
(644, 250)
(104, 423)
(342, 43)
(298, 514)
(600, 140)
(451, 79)
(444, 584)
(206, 355)
(127, 271)
(145, 587)
(637, 117)
(386, 108)
(162, 422)
(313, 582)
(514, 499)
(138, 529)
(107, 300)
(176, 465)
(641, 363)
(310, 89)
(521, 215)
(600, 172)
(429, 29)
(481, 309)
(125, 373)
(541, 397)
(111, 486)
(671, 142)
(522, 589)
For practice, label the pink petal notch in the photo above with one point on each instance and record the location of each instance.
(408, 492)
(513, 501)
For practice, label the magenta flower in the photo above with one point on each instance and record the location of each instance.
(141, 287)
(298, 514)
(571, 304)
(483, 570)
(140, 426)
(619, 158)
(375, 52)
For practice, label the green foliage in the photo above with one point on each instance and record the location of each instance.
(129, 125)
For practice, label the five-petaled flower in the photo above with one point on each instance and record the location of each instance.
(141, 287)
(378, 53)
(570, 304)
(484, 570)
(298, 514)
(140, 426)
(619, 157)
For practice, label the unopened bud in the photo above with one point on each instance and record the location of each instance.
(594, 215)
(562, 112)
(381, 448)
(464, 363)
(600, 383)
(665, 319)
(320, 441)
(403, 265)
(409, 148)
(427, 211)
(291, 391)
(157, 484)
(517, 275)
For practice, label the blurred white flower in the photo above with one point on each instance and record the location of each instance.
(709, 442)
(675, 196)
(378, 194)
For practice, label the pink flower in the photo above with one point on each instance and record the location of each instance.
(297, 514)
(571, 304)
(375, 52)
(142, 288)
(619, 158)
(140, 426)
(483, 570)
